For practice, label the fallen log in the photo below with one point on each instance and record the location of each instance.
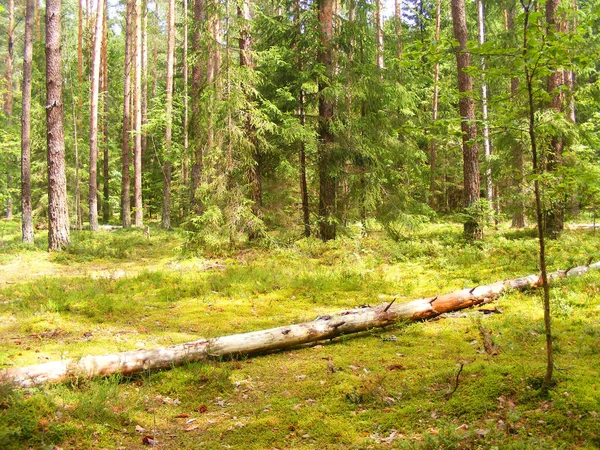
(263, 341)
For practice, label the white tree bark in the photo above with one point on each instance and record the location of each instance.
(280, 338)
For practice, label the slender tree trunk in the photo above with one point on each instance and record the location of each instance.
(379, 34)
(247, 61)
(27, 218)
(105, 101)
(144, 92)
(166, 212)
(125, 148)
(197, 80)
(8, 100)
(539, 170)
(185, 157)
(434, 114)
(326, 161)
(398, 28)
(519, 219)
(472, 228)
(58, 223)
(137, 111)
(554, 215)
(94, 117)
(489, 187)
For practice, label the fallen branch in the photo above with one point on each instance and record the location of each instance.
(324, 327)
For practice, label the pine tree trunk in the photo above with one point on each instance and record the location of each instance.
(144, 92)
(472, 228)
(379, 34)
(58, 223)
(434, 114)
(166, 212)
(326, 161)
(125, 147)
(138, 213)
(27, 217)
(105, 100)
(398, 28)
(8, 100)
(197, 79)
(185, 157)
(93, 186)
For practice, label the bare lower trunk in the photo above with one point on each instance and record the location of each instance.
(58, 223)
(326, 162)
(8, 100)
(436, 94)
(472, 228)
(137, 112)
(105, 99)
(323, 327)
(125, 147)
(27, 218)
(166, 212)
(93, 186)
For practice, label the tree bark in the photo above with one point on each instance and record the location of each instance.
(324, 327)
(487, 151)
(8, 100)
(138, 213)
(58, 223)
(197, 80)
(326, 160)
(185, 158)
(27, 217)
(93, 185)
(434, 114)
(472, 228)
(125, 148)
(166, 212)
(106, 213)
(379, 34)
(519, 219)
(398, 27)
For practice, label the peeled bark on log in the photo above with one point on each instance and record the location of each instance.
(263, 341)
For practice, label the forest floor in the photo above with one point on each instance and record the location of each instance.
(401, 387)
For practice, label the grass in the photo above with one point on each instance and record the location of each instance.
(118, 291)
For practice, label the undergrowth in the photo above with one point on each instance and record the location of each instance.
(418, 385)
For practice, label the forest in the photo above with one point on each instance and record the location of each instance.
(299, 224)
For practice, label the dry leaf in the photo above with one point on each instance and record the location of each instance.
(201, 409)
(149, 440)
(191, 428)
(182, 416)
(395, 367)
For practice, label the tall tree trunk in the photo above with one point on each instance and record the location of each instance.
(185, 158)
(435, 106)
(125, 147)
(144, 92)
(489, 187)
(8, 100)
(246, 60)
(166, 212)
(379, 34)
(326, 161)
(94, 117)
(302, 118)
(58, 223)
(138, 213)
(554, 216)
(105, 100)
(398, 28)
(519, 219)
(197, 79)
(27, 218)
(472, 228)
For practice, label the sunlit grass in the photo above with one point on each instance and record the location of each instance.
(116, 291)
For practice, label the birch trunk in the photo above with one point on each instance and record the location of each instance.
(489, 188)
(323, 327)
